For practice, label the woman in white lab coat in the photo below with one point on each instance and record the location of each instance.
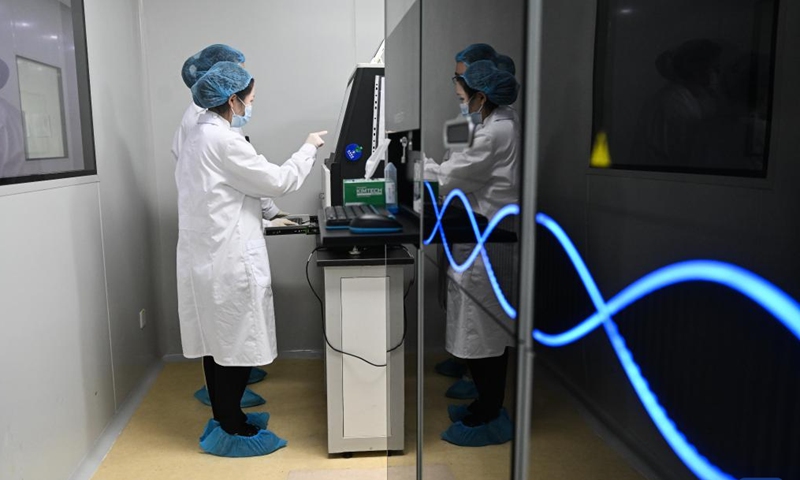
(224, 282)
(478, 329)
(12, 137)
(193, 68)
(464, 388)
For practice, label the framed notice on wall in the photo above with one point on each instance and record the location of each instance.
(42, 101)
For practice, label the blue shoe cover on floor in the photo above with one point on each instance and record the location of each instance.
(222, 444)
(462, 390)
(249, 399)
(256, 419)
(211, 425)
(498, 431)
(457, 412)
(256, 375)
(451, 368)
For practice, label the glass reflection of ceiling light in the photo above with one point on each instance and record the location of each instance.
(22, 24)
(626, 11)
(53, 37)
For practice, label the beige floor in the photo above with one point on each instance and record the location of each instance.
(160, 442)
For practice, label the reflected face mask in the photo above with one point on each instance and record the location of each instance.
(465, 107)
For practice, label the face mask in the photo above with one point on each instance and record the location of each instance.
(476, 117)
(464, 109)
(239, 121)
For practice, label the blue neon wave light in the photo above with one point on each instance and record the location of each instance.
(480, 241)
(768, 296)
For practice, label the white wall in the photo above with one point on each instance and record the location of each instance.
(301, 54)
(75, 268)
(127, 182)
(55, 359)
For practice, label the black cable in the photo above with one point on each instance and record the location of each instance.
(324, 328)
(405, 296)
(413, 279)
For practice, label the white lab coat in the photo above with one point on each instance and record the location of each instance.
(488, 173)
(189, 120)
(224, 282)
(12, 141)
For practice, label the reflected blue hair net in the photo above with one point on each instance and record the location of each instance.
(499, 86)
(198, 64)
(219, 83)
(484, 51)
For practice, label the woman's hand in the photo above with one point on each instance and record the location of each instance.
(281, 222)
(316, 138)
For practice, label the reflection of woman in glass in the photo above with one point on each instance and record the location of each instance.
(477, 327)
(711, 115)
(668, 132)
(464, 388)
(12, 146)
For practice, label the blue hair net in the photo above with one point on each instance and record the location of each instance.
(506, 64)
(499, 86)
(198, 64)
(483, 51)
(475, 52)
(219, 83)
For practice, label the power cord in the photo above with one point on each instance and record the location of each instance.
(322, 310)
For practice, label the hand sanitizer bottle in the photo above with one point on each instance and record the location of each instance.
(390, 177)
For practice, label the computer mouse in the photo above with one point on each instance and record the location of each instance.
(374, 223)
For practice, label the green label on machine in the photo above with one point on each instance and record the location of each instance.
(365, 192)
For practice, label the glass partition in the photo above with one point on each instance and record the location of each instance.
(665, 302)
(470, 235)
(45, 114)
(402, 124)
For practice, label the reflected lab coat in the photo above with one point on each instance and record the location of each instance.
(189, 120)
(224, 282)
(12, 141)
(488, 174)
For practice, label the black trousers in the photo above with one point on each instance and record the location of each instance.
(225, 389)
(489, 375)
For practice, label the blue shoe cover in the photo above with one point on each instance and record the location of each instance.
(249, 399)
(462, 390)
(457, 412)
(222, 444)
(256, 419)
(451, 368)
(211, 425)
(256, 375)
(498, 431)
